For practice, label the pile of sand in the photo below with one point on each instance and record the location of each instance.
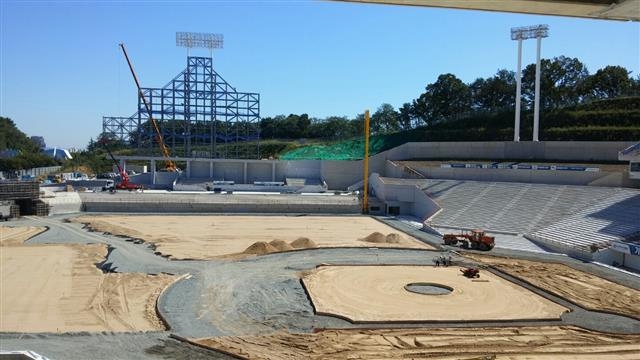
(303, 243)
(394, 238)
(277, 245)
(260, 248)
(379, 238)
(281, 245)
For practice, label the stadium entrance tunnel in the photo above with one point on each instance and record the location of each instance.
(424, 288)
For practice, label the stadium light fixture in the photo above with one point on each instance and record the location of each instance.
(523, 33)
(199, 40)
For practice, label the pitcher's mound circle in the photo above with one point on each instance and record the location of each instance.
(425, 288)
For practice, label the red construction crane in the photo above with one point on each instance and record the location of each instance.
(124, 183)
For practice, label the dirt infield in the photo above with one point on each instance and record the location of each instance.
(548, 343)
(378, 294)
(210, 237)
(58, 288)
(16, 235)
(587, 290)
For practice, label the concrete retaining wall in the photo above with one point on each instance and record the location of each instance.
(631, 261)
(341, 174)
(219, 203)
(575, 151)
(227, 171)
(63, 203)
(263, 171)
(410, 199)
(518, 175)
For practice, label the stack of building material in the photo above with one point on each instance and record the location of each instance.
(18, 190)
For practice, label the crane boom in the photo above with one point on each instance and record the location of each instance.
(169, 164)
(124, 183)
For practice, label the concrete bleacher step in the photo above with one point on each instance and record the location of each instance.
(576, 216)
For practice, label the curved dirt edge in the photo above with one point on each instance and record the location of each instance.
(161, 317)
(23, 241)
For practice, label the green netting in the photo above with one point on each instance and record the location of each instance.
(348, 149)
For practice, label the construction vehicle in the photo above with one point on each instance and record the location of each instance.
(477, 239)
(470, 272)
(169, 164)
(124, 183)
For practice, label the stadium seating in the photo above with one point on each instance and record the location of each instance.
(613, 218)
(513, 207)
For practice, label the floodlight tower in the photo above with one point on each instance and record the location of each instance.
(200, 40)
(523, 33)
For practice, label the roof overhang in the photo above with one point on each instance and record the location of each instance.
(625, 10)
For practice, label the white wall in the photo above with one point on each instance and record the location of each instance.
(260, 171)
(410, 198)
(517, 175)
(543, 150)
(228, 171)
(63, 203)
(632, 261)
(424, 207)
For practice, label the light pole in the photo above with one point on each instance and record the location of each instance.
(197, 40)
(523, 33)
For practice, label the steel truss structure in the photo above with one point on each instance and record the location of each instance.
(199, 115)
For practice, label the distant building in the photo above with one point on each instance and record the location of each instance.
(58, 153)
(39, 140)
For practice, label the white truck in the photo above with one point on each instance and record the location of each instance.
(5, 210)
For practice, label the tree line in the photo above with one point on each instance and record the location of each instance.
(564, 82)
(17, 150)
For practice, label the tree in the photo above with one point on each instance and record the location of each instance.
(12, 138)
(406, 116)
(494, 93)
(385, 120)
(609, 82)
(110, 139)
(561, 81)
(333, 127)
(269, 126)
(446, 97)
(296, 126)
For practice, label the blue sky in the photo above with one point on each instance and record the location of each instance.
(61, 69)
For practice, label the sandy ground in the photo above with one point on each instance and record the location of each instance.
(209, 237)
(549, 343)
(58, 288)
(589, 291)
(16, 235)
(377, 293)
